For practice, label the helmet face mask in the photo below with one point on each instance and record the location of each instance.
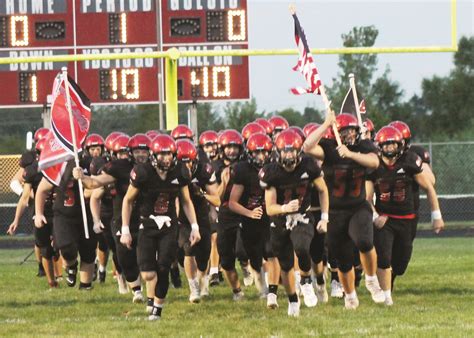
(289, 158)
(349, 136)
(232, 152)
(259, 157)
(94, 151)
(165, 160)
(391, 149)
(211, 150)
(140, 155)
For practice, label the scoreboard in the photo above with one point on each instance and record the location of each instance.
(88, 27)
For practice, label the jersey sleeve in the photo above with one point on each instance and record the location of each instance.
(96, 165)
(413, 163)
(314, 171)
(367, 147)
(30, 173)
(240, 174)
(207, 174)
(138, 176)
(266, 176)
(27, 159)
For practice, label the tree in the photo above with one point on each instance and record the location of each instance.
(238, 114)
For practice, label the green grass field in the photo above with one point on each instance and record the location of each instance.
(434, 298)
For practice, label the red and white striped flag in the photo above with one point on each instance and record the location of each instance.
(53, 153)
(305, 64)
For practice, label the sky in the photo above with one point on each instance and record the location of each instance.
(400, 23)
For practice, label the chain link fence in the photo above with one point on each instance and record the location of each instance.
(452, 162)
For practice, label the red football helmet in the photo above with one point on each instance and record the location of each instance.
(163, 144)
(278, 123)
(345, 120)
(257, 143)
(403, 128)
(250, 129)
(152, 134)
(39, 146)
(182, 131)
(310, 127)
(369, 125)
(329, 134)
(231, 137)
(208, 137)
(94, 140)
(109, 140)
(186, 151)
(389, 134)
(139, 141)
(266, 125)
(299, 131)
(40, 133)
(120, 144)
(287, 141)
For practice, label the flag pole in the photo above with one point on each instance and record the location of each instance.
(356, 103)
(76, 156)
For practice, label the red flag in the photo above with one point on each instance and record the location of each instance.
(81, 112)
(53, 153)
(362, 108)
(305, 63)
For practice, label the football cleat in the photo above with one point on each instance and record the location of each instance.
(71, 277)
(238, 296)
(309, 297)
(214, 280)
(195, 294)
(294, 309)
(322, 293)
(272, 301)
(375, 291)
(336, 289)
(138, 297)
(351, 304)
(122, 284)
(204, 286)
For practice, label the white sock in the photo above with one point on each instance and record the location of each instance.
(388, 294)
(371, 278)
(214, 270)
(101, 268)
(155, 304)
(352, 295)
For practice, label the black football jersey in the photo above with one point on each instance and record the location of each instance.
(106, 205)
(426, 158)
(27, 158)
(226, 216)
(289, 186)
(344, 177)
(120, 170)
(67, 201)
(253, 195)
(158, 196)
(394, 185)
(33, 177)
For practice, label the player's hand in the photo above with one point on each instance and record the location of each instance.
(322, 226)
(330, 117)
(126, 240)
(12, 229)
(343, 151)
(40, 221)
(438, 225)
(380, 221)
(194, 237)
(257, 213)
(98, 227)
(291, 207)
(78, 173)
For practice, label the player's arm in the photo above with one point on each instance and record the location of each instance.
(225, 176)
(44, 188)
(310, 146)
(20, 208)
(428, 173)
(92, 182)
(16, 184)
(235, 206)
(95, 204)
(190, 213)
(127, 207)
(436, 217)
(370, 160)
(212, 195)
(273, 208)
(323, 193)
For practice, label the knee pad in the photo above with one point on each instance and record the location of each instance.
(286, 263)
(399, 268)
(345, 267)
(364, 245)
(102, 243)
(228, 263)
(69, 252)
(161, 288)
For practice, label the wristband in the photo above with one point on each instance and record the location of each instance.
(125, 230)
(16, 186)
(283, 210)
(375, 216)
(324, 216)
(436, 215)
(195, 227)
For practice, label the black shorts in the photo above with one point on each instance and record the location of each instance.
(156, 247)
(201, 250)
(347, 228)
(43, 236)
(67, 230)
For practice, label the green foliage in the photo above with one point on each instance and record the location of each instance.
(427, 303)
(238, 114)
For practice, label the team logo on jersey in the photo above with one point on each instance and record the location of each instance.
(175, 181)
(418, 162)
(133, 174)
(195, 180)
(400, 171)
(305, 175)
(213, 178)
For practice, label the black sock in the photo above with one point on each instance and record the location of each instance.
(320, 279)
(334, 276)
(73, 267)
(156, 311)
(84, 285)
(237, 290)
(305, 280)
(40, 266)
(137, 288)
(273, 288)
(149, 301)
(293, 298)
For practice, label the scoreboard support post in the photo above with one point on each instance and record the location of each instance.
(171, 69)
